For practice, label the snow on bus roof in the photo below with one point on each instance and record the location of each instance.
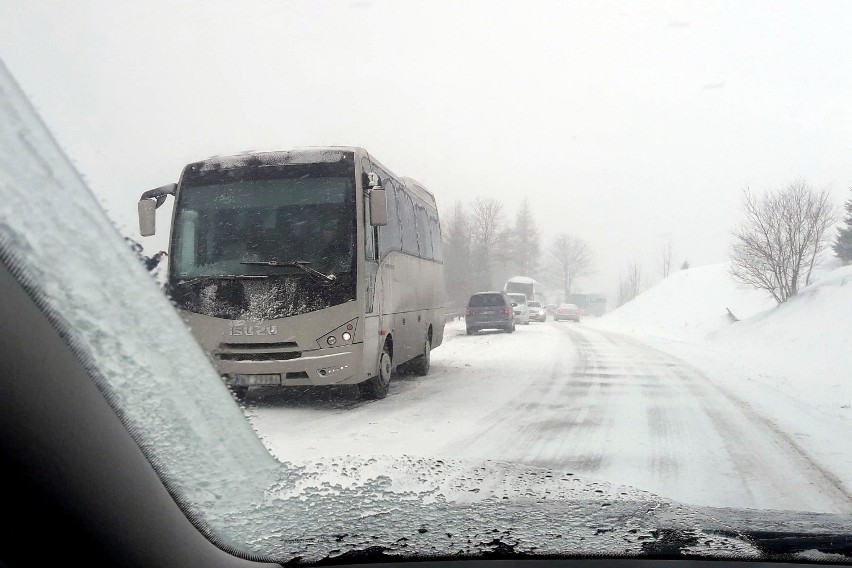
(294, 156)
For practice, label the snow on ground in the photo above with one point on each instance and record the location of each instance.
(709, 413)
(470, 377)
(791, 363)
(573, 398)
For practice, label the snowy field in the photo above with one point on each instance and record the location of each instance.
(705, 411)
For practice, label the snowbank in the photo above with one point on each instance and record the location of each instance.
(689, 305)
(802, 348)
(805, 345)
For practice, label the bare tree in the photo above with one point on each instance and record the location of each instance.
(502, 255)
(630, 284)
(781, 239)
(458, 241)
(665, 258)
(571, 258)
(486, 228)
(486, 220)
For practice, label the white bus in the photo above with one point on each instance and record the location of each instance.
(522, 285)
(306, 267)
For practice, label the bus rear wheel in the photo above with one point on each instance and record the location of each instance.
(420, 366)
(377, 387)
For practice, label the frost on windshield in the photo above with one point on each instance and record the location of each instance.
(400, 507)
(57, 240)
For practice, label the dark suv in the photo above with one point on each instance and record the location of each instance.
(489, 310)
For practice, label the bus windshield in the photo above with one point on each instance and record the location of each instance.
(224, 229)
(254, 241)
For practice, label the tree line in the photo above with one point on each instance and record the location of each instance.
(484, 245)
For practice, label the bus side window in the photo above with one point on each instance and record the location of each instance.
(369, 232)
(435, 229)
(424, 236)
(390, 238)
(409, 224)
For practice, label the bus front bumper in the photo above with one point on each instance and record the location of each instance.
(320, 367)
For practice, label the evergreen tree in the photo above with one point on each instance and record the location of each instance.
(525, 249)
(843, 244)
(685, 265)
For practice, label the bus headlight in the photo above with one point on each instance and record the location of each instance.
(340, 336)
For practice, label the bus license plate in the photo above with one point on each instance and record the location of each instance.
(264, 379)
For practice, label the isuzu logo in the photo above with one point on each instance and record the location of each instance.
(252, 329)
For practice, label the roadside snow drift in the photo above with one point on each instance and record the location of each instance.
(792, 363)
(689, 305)
(802, 347)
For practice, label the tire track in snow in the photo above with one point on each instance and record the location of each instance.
(533, 427)
(768, 462)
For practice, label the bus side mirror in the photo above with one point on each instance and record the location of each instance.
(378, 207)
(147, 207)
(147, 217)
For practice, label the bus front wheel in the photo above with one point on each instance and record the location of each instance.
(377, 387)
(240, 392)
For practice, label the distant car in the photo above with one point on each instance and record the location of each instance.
(537, 311)
(489, 310)
(522, 310)
(567, 312)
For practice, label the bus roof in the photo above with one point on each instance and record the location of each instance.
(522, 280)
(307, 155)
(275, 157)
(413, 186)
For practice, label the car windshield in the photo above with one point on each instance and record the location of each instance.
(285, 240)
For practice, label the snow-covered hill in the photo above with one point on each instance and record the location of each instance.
(689, 305)
(802, 348)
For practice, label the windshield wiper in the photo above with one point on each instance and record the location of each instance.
(220, 277)
(302, 265)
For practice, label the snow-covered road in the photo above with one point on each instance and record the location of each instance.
(566, 396)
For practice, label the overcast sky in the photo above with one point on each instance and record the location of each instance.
(624, 123)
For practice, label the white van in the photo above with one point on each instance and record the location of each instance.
(522, 310)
